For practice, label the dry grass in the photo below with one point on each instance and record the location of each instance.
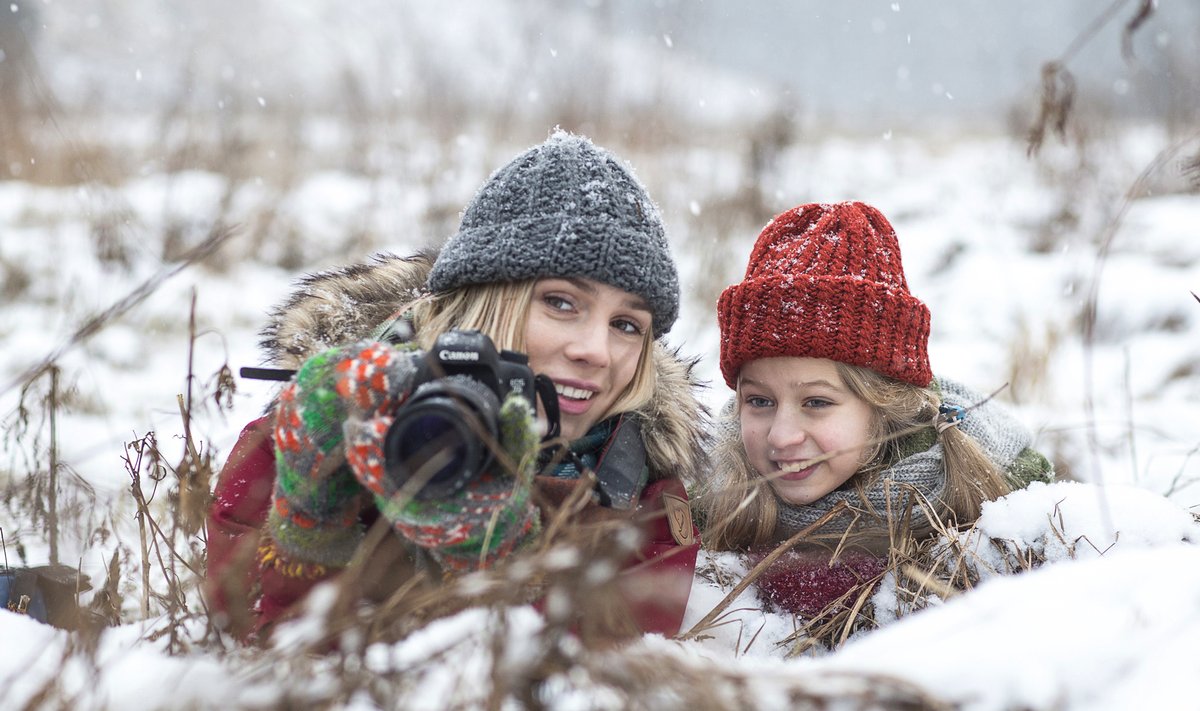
(573, 568)
(1058, 84)
(921, 571)
(154, 579)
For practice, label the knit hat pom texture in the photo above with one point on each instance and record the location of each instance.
(826, 281)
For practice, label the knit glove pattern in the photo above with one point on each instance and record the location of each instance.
(313, 521)
(487, 519)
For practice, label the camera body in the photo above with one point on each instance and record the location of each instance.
(472, 354)
(443, 435)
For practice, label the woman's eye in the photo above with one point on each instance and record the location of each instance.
(557, 303)
(632, 328)
(817, 402)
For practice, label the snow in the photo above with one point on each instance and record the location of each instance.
(1072, 635)
(114, 677)
(1084, 520)
(1104, 624)
(1106, 620)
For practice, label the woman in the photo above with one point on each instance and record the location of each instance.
(561, 255)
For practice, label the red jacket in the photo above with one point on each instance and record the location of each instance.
(248, 597)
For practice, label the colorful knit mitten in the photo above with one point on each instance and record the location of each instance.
(479, 524)
(344, 401)
(314, 515)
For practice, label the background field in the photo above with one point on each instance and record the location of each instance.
(168, 171)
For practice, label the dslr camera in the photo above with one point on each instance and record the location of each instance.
(442, 436)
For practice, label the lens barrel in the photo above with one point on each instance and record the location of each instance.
(436, 443)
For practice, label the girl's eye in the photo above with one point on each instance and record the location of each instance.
(758, 401)
(628, 326)
(818, 403)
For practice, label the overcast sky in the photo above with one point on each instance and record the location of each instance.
(911, 57)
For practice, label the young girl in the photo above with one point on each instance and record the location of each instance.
(837, 419)
(561, 256)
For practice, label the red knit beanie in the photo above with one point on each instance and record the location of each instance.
(825, 281)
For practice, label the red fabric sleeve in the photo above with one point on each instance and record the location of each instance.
(657, 584)
(244, 594)
(248, 593)
(654, 584)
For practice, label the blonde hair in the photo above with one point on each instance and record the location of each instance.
(501, 310)
(741, 511)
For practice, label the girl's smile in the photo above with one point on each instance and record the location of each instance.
(803, 429)
(796, 472)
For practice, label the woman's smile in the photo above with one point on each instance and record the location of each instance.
(587, 336)
(574, 399)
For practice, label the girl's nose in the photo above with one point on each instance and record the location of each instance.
(786, 432)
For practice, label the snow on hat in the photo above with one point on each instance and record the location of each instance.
(825, 281)
(564, 208)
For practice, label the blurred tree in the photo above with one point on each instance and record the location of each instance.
(18, 28)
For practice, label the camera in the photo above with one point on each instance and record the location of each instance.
(442, 436)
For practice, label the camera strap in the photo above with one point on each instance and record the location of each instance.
(277, 374)
(621, 468)
(398, 331)
(544, 387)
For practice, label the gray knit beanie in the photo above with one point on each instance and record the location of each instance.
(565, 208)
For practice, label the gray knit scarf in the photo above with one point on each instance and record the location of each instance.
(1000, 436)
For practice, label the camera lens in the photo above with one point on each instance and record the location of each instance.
(435, 445)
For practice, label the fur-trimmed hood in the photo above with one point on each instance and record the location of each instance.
(344, 304)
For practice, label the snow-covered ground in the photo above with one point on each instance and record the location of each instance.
(1108, 624)
(1010, 253)
(1110, 628)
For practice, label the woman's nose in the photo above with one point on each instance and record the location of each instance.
(589, 343)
